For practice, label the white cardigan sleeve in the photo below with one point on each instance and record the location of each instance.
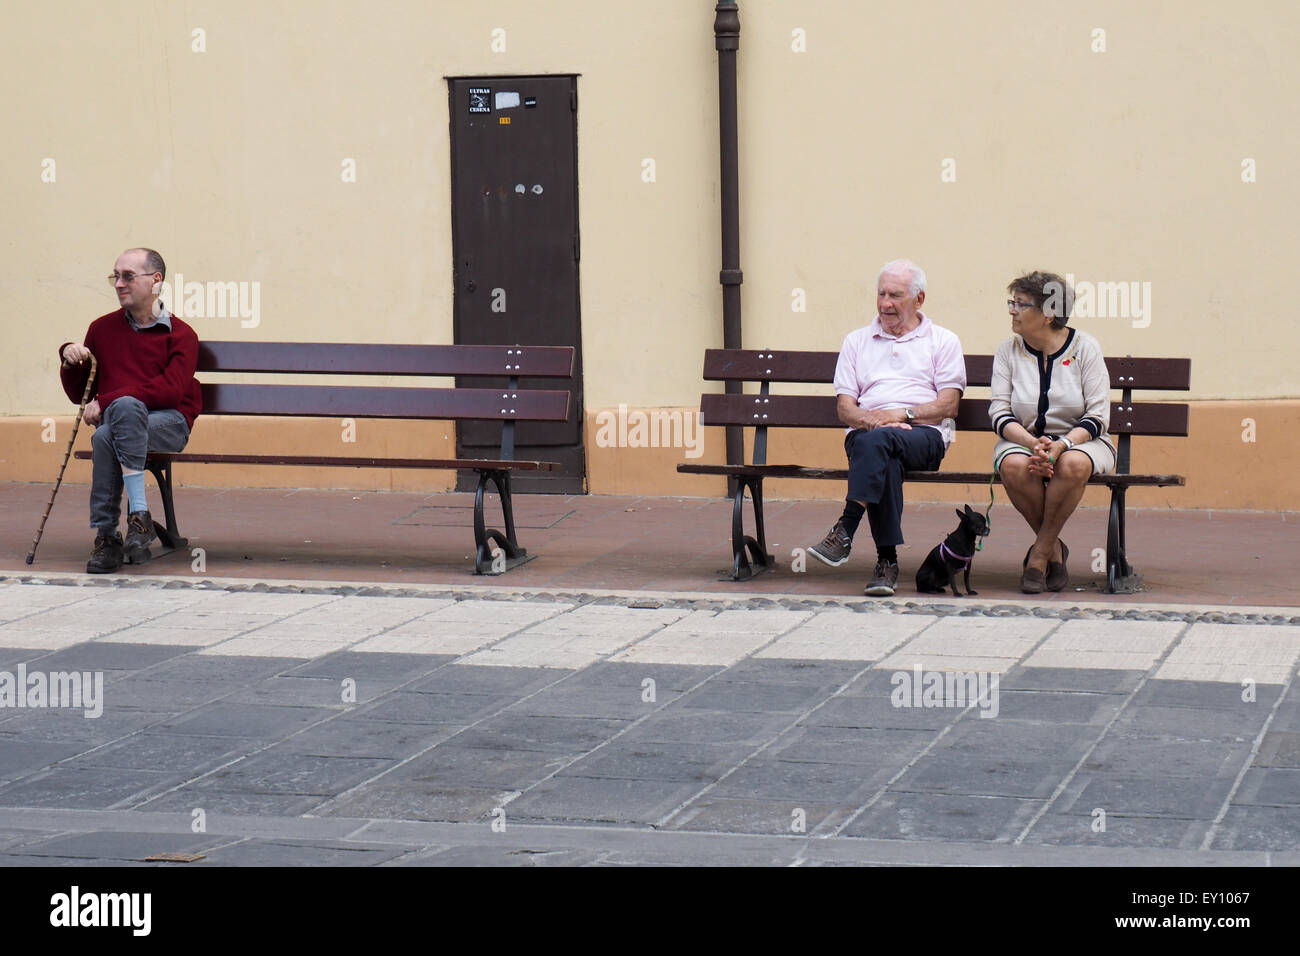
(1096, 387)
(1000, 388)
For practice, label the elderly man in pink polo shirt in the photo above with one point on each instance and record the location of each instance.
(898, 382)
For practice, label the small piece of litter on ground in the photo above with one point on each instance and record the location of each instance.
(646, 604)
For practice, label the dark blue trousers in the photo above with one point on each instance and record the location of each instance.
(878, 457)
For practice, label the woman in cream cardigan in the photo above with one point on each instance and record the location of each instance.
(1051, 411)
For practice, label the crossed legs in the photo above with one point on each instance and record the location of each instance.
(126, 434)
(1046, 506)
(878, 459)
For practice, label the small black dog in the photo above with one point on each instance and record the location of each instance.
(953, 555)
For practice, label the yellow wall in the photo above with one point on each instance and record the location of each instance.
(1223, 468)
(1123, 165)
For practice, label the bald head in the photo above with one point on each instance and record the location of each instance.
(151, 261)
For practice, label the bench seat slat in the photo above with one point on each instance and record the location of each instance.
(1158, 374)
(1153, 419)
(329, 401)
(315, 461)
(534, 361)
(737, 365)
(819, 411)
(750, 366)
(940, 477)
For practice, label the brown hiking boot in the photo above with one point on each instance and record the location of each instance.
(139, 534)
(834, 548)
(107, 556)
(883, 582)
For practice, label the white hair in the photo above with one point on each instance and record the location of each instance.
(905, 265)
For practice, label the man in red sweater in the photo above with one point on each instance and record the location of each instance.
(146, 399)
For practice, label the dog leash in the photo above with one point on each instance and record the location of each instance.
(988, 516)
(988, 512)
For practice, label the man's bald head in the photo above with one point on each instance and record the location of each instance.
(152, 261)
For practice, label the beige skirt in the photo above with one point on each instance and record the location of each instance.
(1100, 450)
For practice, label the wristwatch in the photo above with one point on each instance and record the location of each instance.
(911, 415)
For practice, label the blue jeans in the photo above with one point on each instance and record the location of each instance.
(878, 457)
(126, 433)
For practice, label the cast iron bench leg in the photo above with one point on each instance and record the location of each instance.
(741, 567)
(511, 554)
(170, 536)
(1118, 571)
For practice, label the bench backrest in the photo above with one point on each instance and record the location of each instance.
(508, 403)
(365, 401)
(764, 410)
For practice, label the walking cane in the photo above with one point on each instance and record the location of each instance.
(85, 397)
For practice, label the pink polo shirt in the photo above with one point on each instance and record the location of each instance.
(879, 370)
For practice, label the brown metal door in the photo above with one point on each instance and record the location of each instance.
(514, 180)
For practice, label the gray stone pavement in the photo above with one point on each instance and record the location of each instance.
(295, 723)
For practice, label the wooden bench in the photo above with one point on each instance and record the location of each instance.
(765, 410)
(508, 404)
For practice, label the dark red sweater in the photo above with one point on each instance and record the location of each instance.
(152, 364)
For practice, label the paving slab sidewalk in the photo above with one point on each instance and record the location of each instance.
(324, 723)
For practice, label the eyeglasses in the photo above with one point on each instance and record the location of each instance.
(127, 276)
(1015, 306)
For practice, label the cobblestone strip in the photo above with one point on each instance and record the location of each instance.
(648, 600)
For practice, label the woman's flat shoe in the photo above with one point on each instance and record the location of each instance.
(1033, 581)
(1057, 575)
